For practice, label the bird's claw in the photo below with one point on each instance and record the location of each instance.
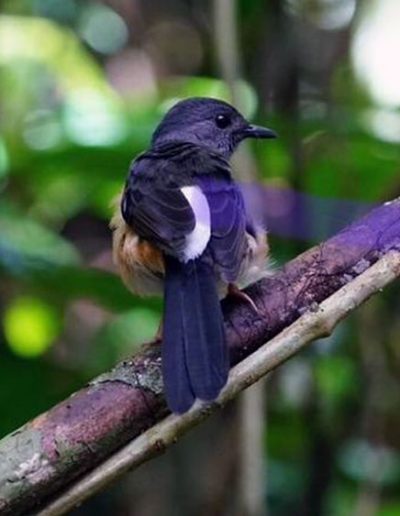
(234, 291)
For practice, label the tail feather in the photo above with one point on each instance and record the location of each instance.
(195, 358)
(177, 388)
(206, 354)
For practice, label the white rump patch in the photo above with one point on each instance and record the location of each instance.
(198, 239)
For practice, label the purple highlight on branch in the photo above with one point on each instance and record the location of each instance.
(290, 214)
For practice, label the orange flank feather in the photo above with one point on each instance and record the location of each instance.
(140, 263)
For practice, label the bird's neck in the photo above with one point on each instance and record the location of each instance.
(183, 140)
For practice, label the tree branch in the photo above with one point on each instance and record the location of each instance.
(46, 455)
(312, 325)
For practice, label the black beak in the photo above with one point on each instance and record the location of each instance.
(255, 131)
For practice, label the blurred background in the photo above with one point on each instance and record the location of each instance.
(82, 86)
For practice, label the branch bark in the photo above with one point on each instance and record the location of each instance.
(80, 434)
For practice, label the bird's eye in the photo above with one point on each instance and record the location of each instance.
(222, 121)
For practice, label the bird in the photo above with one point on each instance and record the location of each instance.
(181, 229)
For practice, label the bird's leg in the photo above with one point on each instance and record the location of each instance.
(234, 291)
(159, 334)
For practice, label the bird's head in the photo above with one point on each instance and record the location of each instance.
(209, 122)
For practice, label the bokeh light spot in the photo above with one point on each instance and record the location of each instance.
(384, 124)
(42, 130)
(103, 29)
(93, 119)
(30, 326)
(376, 49)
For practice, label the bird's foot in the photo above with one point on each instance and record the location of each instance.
(234, 291)
(158, 336)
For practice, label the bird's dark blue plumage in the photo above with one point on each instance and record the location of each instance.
(194, 352)
(180, 196)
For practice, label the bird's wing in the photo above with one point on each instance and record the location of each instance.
(164, 217)
(228, 242)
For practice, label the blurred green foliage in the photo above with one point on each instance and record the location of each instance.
(79, 98)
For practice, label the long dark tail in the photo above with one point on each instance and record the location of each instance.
(194, 352)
